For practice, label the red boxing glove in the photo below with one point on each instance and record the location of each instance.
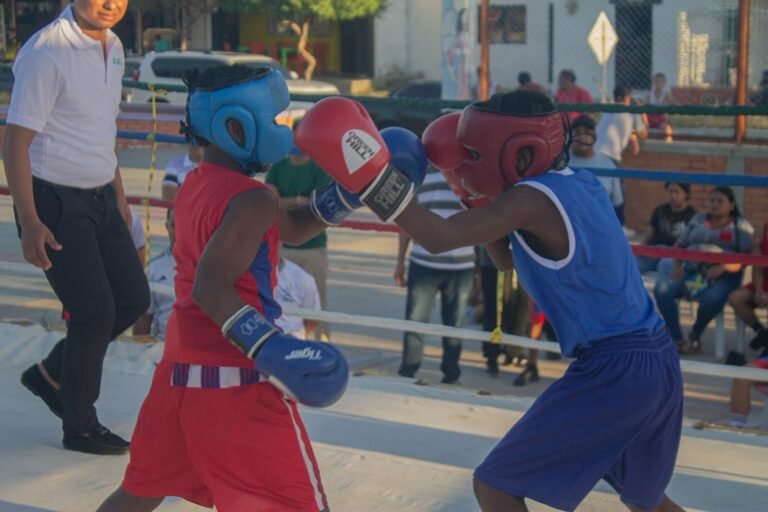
(339, 135)
(341, 138)
(446, 153)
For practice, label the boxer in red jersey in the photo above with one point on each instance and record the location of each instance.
(220, 426)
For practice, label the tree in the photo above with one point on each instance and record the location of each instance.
(189, 12)
(298, 15)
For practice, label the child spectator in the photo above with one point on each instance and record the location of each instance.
(297, 288)
(178, 168)
(160, 270)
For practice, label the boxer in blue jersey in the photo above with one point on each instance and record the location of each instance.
(616, 414)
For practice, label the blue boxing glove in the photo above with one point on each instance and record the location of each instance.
(314, 374)
(333, 203)
(406, 153)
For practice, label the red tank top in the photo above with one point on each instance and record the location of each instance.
(192, 337)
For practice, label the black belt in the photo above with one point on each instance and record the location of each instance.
(93, 190)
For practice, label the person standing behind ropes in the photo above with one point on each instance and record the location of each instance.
(569, 92)
(617, 131)
(450, 273)
(177, 169)
(70, 207)
(295, 177)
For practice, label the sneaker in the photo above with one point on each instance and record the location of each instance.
(760, 341)
(446, 380)
(100, 441)
(732, 421)
(530, 374)
(34, 380)
(519, 360)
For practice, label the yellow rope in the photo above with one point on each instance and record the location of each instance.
(496, 333)
(152, 164)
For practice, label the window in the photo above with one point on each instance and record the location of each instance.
(174, 67)
(419, 90)
(506, 24)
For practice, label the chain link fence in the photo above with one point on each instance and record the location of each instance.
(682, 52)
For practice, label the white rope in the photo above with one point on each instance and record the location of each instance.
(694, 367)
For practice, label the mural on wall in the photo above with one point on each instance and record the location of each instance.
(458, 63)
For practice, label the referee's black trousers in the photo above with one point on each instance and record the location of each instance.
(99, 280)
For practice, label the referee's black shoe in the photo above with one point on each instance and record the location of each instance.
(34, 380)
(99, 441)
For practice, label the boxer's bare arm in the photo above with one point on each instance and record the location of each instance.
(500, 254)
(298, 224)
(519, 208)
(230, 250)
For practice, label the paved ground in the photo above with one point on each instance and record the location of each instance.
(360, 282)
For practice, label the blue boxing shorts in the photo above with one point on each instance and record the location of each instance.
(616, 414)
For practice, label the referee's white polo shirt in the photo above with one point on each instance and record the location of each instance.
(69, 93)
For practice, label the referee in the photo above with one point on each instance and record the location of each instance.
(71, 210)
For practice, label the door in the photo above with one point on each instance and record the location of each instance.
(356, 46)
(634, 26)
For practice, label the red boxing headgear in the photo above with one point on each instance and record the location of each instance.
(495, 131)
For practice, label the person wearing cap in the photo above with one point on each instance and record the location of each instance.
(294, 178)
(71, 211)
(583, 154)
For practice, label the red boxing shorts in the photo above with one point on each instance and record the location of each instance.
(217, 436)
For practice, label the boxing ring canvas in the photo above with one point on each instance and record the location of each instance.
(388, 445)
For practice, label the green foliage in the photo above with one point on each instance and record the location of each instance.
(301, 10)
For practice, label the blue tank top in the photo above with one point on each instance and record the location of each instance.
(596, 291)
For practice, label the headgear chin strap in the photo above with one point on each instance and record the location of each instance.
(253, 103)
(496, 139)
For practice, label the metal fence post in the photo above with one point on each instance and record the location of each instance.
(742, 69)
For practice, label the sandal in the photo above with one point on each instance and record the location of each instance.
(690, 347)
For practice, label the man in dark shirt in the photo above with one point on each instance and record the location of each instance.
(294, 178)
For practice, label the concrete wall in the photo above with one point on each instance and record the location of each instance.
(201, 33)
(407, 38)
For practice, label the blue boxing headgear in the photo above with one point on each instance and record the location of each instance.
(253, 103)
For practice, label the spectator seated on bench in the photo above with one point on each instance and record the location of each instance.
(721, 229)
(747, 299)
(668, 222)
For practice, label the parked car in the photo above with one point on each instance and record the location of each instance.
(131, 72)
(169, 67)
(411, 116)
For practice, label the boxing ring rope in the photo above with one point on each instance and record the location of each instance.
(709, 369)
(393, 324)
(637, 249)
(725, 110)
